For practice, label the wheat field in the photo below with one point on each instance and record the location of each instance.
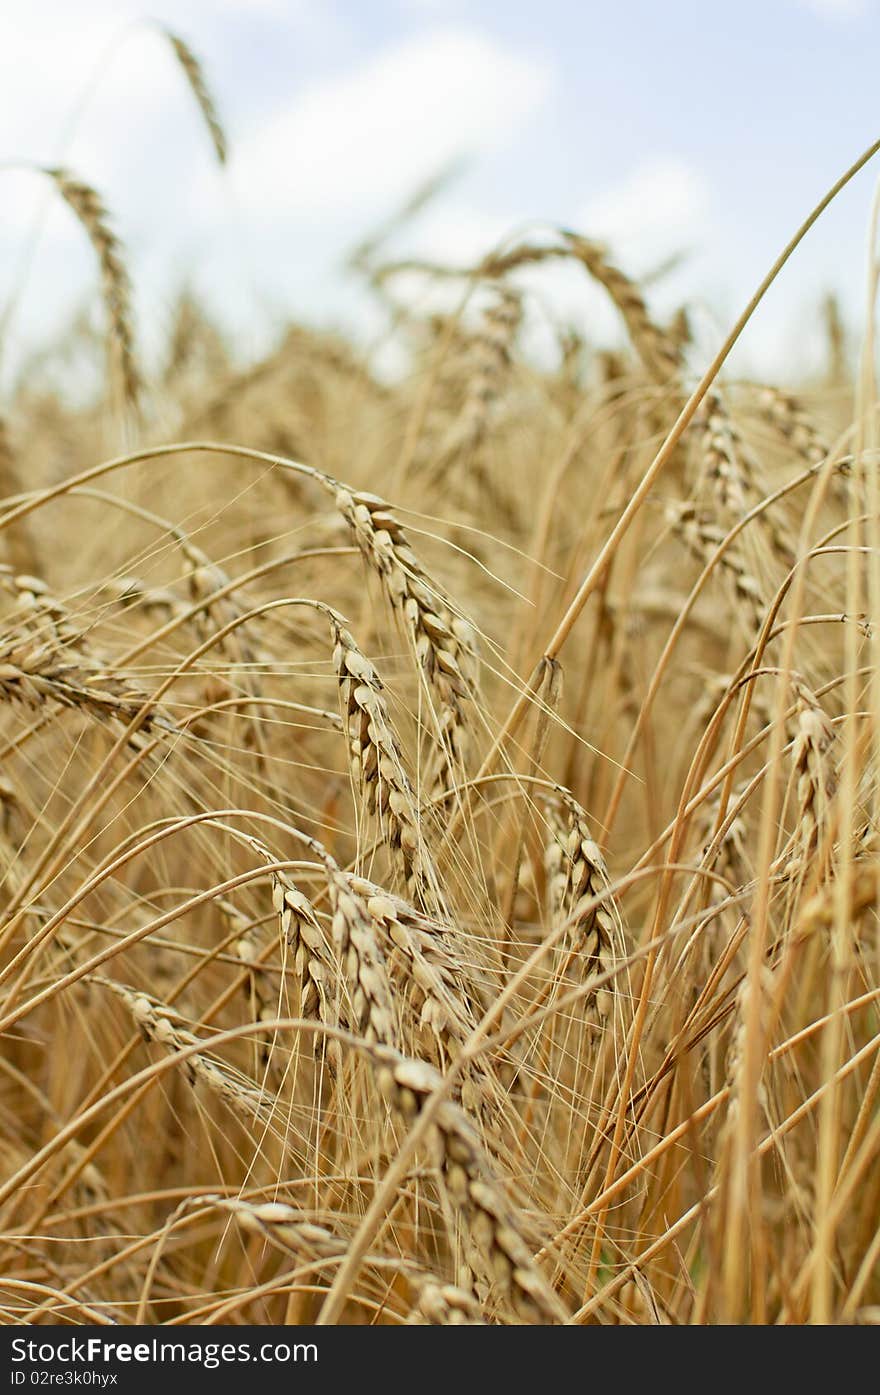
(438, 819)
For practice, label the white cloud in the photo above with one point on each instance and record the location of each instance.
(369, 136)
(427, 7)
(274, 9)
(661, 208)
(458, 234)
(839, 9)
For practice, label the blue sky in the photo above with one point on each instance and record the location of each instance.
(706, 127)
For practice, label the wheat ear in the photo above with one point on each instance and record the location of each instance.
(444, 643)
(198, 84)
(498, 1251)
(576, 877)
(92, 215)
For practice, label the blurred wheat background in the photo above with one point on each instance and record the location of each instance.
(439, 802)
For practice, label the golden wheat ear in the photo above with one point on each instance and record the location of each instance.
(88, 207)
(198, 84)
